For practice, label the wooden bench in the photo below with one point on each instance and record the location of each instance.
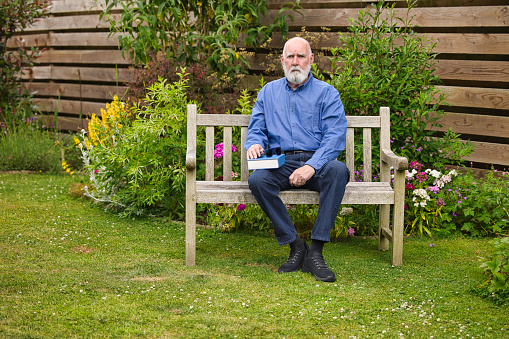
(228, 191)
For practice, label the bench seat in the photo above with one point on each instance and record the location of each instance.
(238, 192)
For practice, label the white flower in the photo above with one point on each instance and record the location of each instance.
(410, 175)
(435, 174)
(346, 211)
(453, 172)
(420, 192)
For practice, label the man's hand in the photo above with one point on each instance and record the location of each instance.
(255, 151)
(301, 175)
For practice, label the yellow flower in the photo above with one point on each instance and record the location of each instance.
(68, 170)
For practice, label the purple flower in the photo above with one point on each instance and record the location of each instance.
(432, 245)
(351, 232)
(241, 207)
(440, 202)
(415, 165)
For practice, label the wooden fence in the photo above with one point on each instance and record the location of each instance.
(82, 68)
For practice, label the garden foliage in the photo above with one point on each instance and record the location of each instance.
(214, 96)
(28, 147)
(193, 32)
(382, 61)
(138, 166)
(16, 104)
(496, 269)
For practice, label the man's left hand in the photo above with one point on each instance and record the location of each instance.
(301, 175)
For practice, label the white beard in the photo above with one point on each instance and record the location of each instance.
(299, 77)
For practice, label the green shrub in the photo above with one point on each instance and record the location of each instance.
(479, 205)
(29, 148)
(382, 61)
(214, 96)
(139, 167)
(193, 32)
(496, 269)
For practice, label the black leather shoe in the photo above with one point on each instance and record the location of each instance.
(314, 263)
(295, 260)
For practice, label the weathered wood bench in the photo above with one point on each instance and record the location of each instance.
(228, 191)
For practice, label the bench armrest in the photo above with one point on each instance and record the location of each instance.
(191, 159)
(397, 162)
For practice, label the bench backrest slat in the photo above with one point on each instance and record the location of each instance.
(228, 121)
(367, 156)
(209, 153)
(349, 151)
(227, 153)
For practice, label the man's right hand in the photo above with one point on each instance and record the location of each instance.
(255, 151)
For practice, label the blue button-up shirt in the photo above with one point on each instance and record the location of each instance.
(310, 118)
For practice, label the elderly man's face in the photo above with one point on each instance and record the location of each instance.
(297, 61)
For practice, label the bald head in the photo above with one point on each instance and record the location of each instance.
(298, 40)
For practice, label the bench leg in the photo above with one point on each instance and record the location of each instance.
(385, 217)
(397, 236)
(190, 218)
(399, 219)
(190, 235)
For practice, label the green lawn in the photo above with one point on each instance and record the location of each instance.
(68, 269)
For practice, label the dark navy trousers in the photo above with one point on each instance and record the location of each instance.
(330, 181)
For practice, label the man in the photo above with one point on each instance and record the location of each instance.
(305, 117)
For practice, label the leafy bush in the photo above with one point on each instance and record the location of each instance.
(214, 96)
(496, 269)
(16, 103)
(139, 167)
(384, 62)
(193, 32)
(29, 148)
(478, 206)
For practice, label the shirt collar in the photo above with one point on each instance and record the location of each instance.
(301, 86)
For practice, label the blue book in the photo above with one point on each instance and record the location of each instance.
(265, 162)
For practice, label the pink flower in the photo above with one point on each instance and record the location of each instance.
(351, 232)
(96, 171)
(218, 150)
(241, 207)
(415, 165)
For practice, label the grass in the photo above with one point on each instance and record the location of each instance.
(68, 269)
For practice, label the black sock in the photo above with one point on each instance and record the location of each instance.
(297, 244)
(316, 246)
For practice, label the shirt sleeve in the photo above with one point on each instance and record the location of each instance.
(257, 129)
(333, 126)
